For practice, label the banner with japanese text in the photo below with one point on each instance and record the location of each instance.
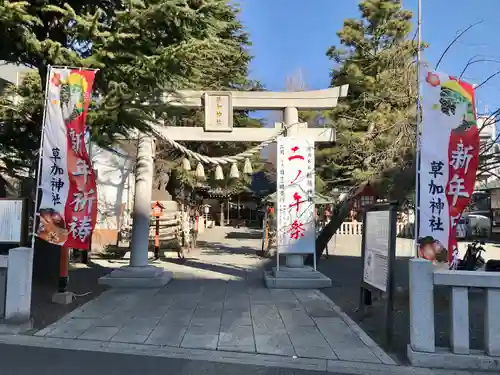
(449, 157)
(295, 192)
(68, 202)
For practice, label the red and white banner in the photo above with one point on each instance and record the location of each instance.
(449, 157)
(295, 193)
(68, 203)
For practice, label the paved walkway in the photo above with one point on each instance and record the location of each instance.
(217, 301)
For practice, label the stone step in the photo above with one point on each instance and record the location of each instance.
(282, 282)
(305, 272)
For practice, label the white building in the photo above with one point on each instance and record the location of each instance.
(11, 74)
(115, 189)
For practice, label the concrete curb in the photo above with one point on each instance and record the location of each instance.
(336, 366)
(443, 358)
(358, 331)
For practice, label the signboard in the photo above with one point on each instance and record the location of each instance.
(295, 193)
(12, 220)
(378, 253)
(449, 156)
(218, 112)
(377, 243)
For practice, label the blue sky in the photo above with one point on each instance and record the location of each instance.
(289, 35)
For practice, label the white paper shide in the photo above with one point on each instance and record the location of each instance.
(295, 193)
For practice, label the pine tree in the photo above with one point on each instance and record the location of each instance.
(376, 122)
(143, 49)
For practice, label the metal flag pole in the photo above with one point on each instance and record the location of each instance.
(40, 154)
(85, 254)
(418, 130)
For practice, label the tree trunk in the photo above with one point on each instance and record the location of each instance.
(402, 181)
(329, 229)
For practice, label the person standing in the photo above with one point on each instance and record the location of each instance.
(195, 220)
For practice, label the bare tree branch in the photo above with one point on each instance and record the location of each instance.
(472, 62)
(491, 119)
(454, 41)
(487, 79)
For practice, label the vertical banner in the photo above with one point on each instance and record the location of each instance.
(449, 159)
(68, 202)
(295, 193)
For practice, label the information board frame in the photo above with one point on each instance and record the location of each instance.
(366, 289)
(23, 222)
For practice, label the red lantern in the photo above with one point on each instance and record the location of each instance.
(157, 209)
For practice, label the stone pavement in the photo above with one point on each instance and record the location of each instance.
(217, 301)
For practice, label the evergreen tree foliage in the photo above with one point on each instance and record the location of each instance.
(376, 122)
(143, 48)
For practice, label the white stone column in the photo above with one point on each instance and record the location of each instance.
(291, 116)
(18, 293)
(422, 334)
(142, 202)
(491, 322)
(139, 274)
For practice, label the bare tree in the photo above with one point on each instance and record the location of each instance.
(296, 81)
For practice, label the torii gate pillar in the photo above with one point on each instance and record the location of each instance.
(218, 127)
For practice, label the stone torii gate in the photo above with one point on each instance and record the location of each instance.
(218, 127)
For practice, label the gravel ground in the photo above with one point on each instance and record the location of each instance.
(345, 273)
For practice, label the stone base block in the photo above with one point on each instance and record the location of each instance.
(305, 272)
(137, 277)
(64, 298)
(292, 278)
(444, 358)
(11, 327)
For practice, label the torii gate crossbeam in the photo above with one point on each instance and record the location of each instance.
(218, 127)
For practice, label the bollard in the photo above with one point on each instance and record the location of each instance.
(19, 277)
(422, 306)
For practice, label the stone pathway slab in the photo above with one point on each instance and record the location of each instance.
(218, 301)
(169, 335)
(237, 338)
(99, 333)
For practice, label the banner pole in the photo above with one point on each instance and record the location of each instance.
(62, 284)
(85, 254)
(417, 140)
(40, 153)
